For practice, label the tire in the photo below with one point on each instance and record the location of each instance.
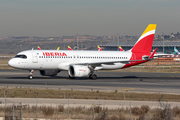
(71, 77)
(93, 76)
(90, 76)
(30, 77)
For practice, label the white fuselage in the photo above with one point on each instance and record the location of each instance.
(61, 59)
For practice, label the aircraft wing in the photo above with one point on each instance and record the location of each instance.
(107, 63)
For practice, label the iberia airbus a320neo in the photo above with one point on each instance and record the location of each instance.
(83, 63)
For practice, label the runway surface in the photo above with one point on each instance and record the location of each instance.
(121, 81)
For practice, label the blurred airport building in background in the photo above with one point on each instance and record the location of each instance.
(128, 44)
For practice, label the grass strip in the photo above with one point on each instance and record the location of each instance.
(85, 94)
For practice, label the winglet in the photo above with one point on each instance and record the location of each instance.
(152, 55)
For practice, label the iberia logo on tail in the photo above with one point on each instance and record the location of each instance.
(99, 49)
(69, 48)
(144, 43)
(38, 48)
(143, 46)
(120, 48)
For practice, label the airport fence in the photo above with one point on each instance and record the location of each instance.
(98, 111)
(162, 62)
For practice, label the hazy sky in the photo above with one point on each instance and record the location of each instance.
(51, 18)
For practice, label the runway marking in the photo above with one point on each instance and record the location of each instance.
(127, 89)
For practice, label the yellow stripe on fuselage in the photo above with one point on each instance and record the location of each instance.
(149, 28)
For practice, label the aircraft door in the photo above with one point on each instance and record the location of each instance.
(34, 57)
(76, 57)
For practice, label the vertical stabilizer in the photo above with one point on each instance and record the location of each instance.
(99, 49)
(120, 48)
(38, 48)
(144, 43)
(58, 48)
(69, 48)
(176, 51)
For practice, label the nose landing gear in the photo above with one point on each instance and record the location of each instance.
(30, 74)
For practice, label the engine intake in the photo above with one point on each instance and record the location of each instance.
(78, 71)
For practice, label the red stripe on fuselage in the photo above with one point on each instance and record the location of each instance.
(137, 56)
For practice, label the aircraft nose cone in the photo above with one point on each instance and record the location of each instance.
(11, 63)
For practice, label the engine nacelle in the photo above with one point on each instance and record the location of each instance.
(49, 72)
(78, 71)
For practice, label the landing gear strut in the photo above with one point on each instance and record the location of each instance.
(92, 75)
(30, 74)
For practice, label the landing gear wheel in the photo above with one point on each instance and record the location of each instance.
(90, 76)
(93, 76)
(30, 76)
(71, 77)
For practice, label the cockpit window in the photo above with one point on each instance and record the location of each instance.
(21, 56)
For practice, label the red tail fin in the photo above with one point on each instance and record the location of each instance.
(144, 43)
(38, 48)
(69, 48)
(120, 48)
(99, 49)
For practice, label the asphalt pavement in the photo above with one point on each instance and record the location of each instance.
(121, 81)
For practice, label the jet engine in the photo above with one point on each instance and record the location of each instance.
(49, 72)
(78, 71)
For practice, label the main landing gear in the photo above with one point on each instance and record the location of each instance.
(71, 77)
(92, 75)
(30, 74)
